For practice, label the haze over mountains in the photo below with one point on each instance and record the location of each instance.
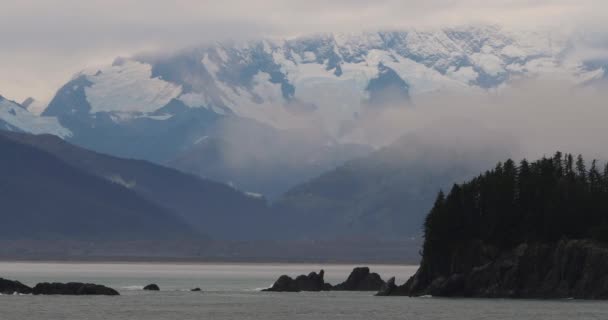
(301, 122)
(313, 92)
(385, 194)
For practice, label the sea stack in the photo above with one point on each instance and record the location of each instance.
(361, 279)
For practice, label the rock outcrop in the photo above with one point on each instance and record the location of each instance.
(11, 287)
(72, 288)
(311, 282)
(389, 288)
(566, 269)
(361, 279)
(152, 287)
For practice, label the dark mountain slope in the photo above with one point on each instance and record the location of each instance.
(211, 207)
(42, 197)
(384, 195)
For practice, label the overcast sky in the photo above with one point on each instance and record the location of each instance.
(44, 42)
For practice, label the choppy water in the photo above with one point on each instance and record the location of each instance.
(230, 291)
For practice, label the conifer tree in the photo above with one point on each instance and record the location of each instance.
(541, 201)
(581, 170)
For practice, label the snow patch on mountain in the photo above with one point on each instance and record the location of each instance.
(129, 87)
(262, 102)
(122, 117)
(20, 119)
(118, 179)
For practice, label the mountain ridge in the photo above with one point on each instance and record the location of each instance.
(208, 206)
(159, 106)
(385, 194)
(71, 204)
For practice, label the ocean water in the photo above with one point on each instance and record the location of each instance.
(231, 291)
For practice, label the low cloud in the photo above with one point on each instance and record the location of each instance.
(530, 118)
(45, 42)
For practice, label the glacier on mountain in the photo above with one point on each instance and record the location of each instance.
(15, 117)
(129, 87)
(325, 81)
(327, 76)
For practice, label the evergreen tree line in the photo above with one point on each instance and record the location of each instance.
(542, 201)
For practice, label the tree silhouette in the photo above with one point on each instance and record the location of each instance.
(543, 201)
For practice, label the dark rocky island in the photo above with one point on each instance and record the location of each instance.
(73, 288)
(391, 289)
(311, 282)
(45, 288)
(536, 230)
(152, 287)
(360, 279)
(11, 287)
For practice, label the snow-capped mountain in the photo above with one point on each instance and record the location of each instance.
(170, 107)
(15, 117)
(331, 76)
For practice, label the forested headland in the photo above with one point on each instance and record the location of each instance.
(527, 230)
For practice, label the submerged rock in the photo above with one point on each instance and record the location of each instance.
(310, 282)
(565, 269)
(73, 288)
(11, 287)
(361, 279)
(152, 287)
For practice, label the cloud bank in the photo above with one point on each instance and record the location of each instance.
(45, 42)
(529, 119)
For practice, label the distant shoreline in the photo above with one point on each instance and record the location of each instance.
(201, 262)
(389, 252)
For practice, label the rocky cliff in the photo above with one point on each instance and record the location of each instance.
(565, 269)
